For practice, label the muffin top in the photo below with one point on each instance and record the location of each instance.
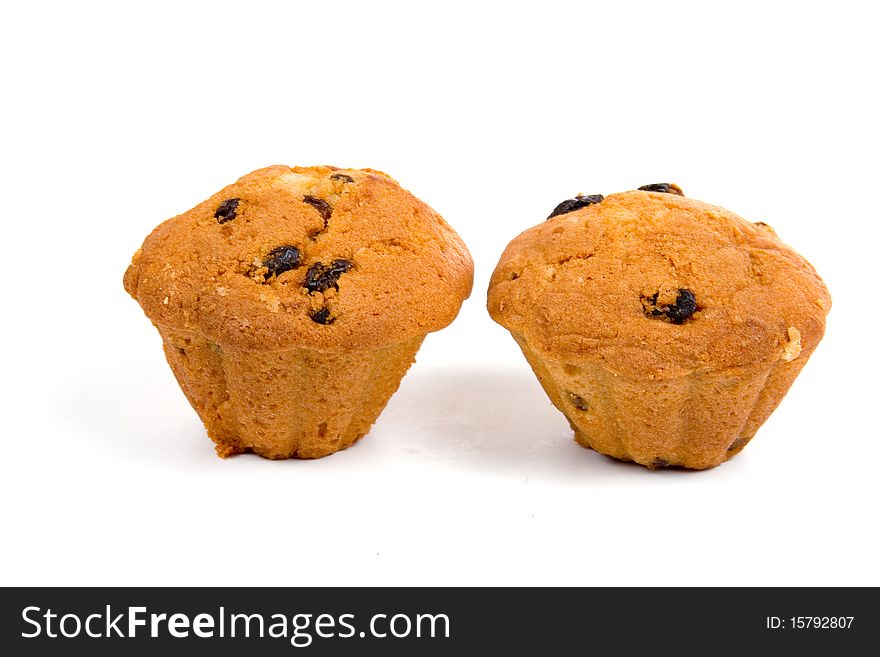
(650, 283)
(319, 257)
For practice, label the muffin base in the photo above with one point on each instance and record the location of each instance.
(295, 403)
(695, 422)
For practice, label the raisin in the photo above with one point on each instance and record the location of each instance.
(576, 203)
(659, 463)
(227, 210)
(664, 188)
(322, 316)
(344, 177)
(578, 402)
(282, 259)
(320, 277)
(685, 305)
(322, 206)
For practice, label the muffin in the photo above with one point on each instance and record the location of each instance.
(666, 330)
(292, 302)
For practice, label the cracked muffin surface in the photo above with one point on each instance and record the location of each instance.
(292, 303)
(336, 259)
(665, 329)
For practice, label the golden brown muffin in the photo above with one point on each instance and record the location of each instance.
(292, 302)
(666, 330)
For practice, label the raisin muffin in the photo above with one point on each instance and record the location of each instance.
(666, 330)
(292, 302)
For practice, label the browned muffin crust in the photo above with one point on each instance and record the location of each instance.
(315, 257)
(603, 282)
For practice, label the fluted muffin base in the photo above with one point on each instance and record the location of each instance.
(295, 403)
(696, 421)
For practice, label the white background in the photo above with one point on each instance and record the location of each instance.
(115, 118)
